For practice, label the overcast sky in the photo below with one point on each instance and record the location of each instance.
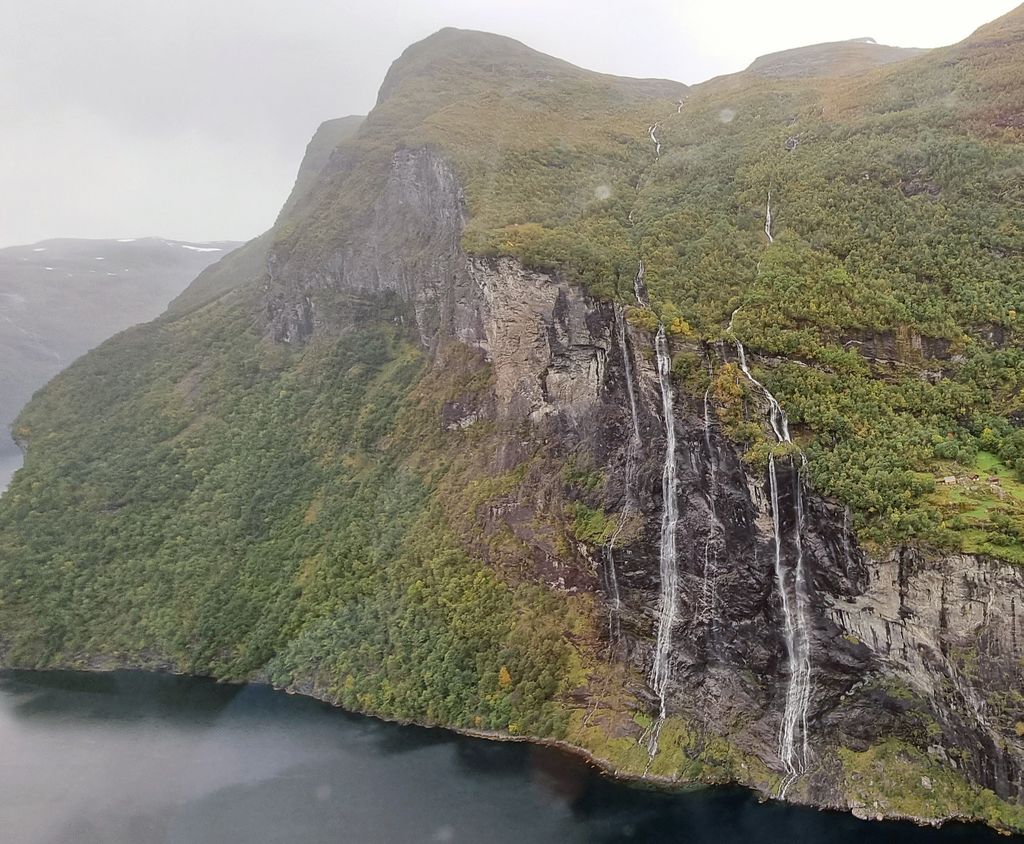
(188, 118)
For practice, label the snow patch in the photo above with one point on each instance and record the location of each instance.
(201, 248)
(39, 249)
(126, 240)
(99, 258)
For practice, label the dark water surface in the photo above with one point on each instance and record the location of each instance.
(134, 757)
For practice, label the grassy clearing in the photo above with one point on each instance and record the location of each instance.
(983, 507)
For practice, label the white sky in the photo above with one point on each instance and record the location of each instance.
(188, 118)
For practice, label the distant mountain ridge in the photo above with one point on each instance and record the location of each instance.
(61, 297)
(834, 58)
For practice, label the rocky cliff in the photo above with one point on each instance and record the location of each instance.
(920, 652)
(540, 415)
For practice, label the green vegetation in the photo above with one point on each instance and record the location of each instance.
(895, 778)
(891, 292)
(264, 515)
(885, 312)
(985, 507)
(200, 497)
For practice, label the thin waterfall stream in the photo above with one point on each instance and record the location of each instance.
(660, 671)
(633, 447)
(706, 608)
(667, 602)
(793, 739)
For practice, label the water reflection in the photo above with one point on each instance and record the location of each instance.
(134, 757)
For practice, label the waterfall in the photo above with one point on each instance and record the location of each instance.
(706, 607)
(630, 471)
(667, 552)
(620, 325)
(667, 609)
(847, 545)
(794, 613)
(794, 610)
(776, 415)
(611, 583)
(707, 432)
(640, 288)
(768, 218)
(802, 660)
(654, 139)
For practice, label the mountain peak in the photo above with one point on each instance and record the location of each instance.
(457, 54)
(451, 48)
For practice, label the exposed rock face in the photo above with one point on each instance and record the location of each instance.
(548, 343)
(946, 632)
(407, 248)
(950, 631)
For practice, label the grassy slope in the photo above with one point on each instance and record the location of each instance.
(836, 58)
(896, 216)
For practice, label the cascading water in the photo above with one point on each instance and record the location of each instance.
(620, 326)
(798, 691)
(640, 288)
(611, 584)
(794, 611)
(776, 415)
(633, 447)
(705, 609)
(667, 551)
(654, 139)
(768, 218)
(847, 544)
(660, 670)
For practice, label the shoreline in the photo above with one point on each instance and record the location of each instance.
(603, 766)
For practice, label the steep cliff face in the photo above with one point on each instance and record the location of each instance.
(919, 651)
(948, 631)
(471, 438)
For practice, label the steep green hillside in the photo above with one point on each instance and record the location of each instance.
(264, 508)
(318, 467)
(59, 298)
(890, 297)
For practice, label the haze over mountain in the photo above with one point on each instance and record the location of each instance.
(60, 298)
(680, 424)
(208, 105)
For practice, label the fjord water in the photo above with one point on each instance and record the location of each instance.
(135, 757)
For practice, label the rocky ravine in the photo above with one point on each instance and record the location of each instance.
(917, 654)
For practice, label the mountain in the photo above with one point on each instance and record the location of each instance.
(248, 264)
(837, 58)
(63, 297)
(680, 425)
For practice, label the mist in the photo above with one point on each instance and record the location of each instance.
(130, 118)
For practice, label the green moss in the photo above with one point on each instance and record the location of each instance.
(591, 526)
(896, 779)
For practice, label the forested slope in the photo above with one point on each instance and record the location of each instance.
(407, 452)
